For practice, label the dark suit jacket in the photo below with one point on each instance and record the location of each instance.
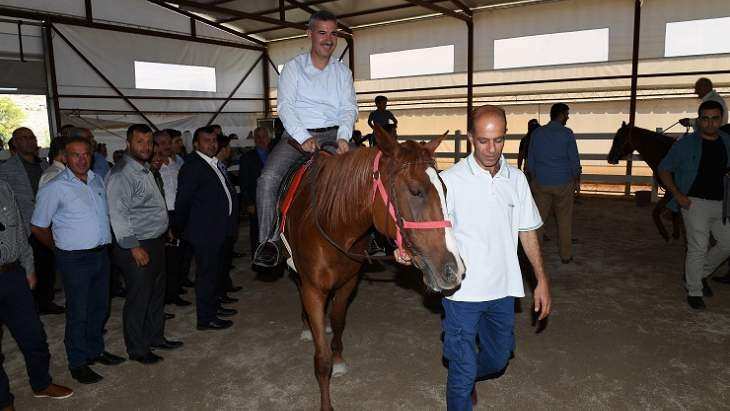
(249, 171)
(201, 205)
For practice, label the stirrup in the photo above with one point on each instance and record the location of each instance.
(270, 262)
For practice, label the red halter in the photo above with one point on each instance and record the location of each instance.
(403, 223)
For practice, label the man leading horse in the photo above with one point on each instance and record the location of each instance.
(317, 105)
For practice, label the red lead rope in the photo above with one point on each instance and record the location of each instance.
(378, 187)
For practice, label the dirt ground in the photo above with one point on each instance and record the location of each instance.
(621, 337)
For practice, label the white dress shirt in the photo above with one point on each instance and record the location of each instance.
(169, 174)
(213, 162)
(487, 214)
(308, 97)
(53, 170)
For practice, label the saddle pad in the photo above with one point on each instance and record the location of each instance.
(291, 191)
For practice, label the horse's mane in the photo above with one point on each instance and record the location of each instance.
(653, 135)
(342, 183)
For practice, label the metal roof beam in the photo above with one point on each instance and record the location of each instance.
(287, 7)
(460, 4)
(242, 14)
(312, 11)
(441, 9)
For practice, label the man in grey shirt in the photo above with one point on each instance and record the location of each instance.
(138, 215)
(17, 312)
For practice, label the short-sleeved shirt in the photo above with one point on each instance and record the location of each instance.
(381, 118)
(487, 214)
(76, 211)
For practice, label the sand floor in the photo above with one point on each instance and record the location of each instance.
(621, 337)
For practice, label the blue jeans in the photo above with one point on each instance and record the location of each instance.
(18, 313)
(282, 157)
(493, 322)
(86, 284)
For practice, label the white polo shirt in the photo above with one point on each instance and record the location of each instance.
(487, 214)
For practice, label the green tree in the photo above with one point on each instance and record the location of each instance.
(11, 116)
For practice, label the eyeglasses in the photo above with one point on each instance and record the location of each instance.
(713, 118)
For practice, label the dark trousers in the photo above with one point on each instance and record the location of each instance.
(209, 259)
(253, 232)
(115, 272)
(187, 258)
(493, 322)
(225, 282)
(173, 270)
(86, 284)
(45, 272)
(18, 313)
(143, 316)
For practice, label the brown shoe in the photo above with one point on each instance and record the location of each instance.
(54, 391)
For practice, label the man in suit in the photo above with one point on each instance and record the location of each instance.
(252, 162)
(23, 173)
(204, 215)
(225, 284)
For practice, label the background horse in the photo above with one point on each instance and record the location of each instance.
(652, 147)
(341, 197)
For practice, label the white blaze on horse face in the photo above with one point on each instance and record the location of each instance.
(449, 238)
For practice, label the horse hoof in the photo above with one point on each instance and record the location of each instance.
(328, 330)
(339, 369)
(306, 335)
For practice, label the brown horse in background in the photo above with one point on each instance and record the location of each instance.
(327, 227)
(652, 147)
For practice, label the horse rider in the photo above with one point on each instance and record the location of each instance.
(705, 92)
(317, 105)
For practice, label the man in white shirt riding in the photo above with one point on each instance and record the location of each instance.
(317, 104)
(705, 92)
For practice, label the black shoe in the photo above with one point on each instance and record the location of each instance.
(169, 316)
(234, 289)
(52, 309)
(238, 255)
(706, 290)
(85, 375)
(107, 358)
(187, 283)
(216, 324)
(168, 345)
(267, 255)
(120, 292)
(696, 303)
(182, 291)
(725, 279)
(180, 302)
(227, 312)
(227, 300)
(147, 359)
(566, 260)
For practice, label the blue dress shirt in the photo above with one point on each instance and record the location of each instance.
(75, 211)
(553, 155)
(100, 167)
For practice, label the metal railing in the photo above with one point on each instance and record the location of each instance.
(627, 180)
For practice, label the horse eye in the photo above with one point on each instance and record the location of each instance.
(416, 192)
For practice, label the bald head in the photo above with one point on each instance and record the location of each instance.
(703, 86)
(491, 117)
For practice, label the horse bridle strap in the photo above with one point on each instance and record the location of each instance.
(400, 222)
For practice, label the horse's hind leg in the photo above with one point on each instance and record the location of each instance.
(676, 224)
(337, 319)
(314, 303)
(656, 214)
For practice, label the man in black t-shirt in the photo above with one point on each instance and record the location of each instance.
(699, 163)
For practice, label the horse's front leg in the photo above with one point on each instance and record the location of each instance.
(314, 301)
(656, 214)
(337, 319)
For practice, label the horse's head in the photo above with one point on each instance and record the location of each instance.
(621, 147)
(418, 195)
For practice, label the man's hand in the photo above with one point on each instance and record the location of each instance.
(140, 256)
(32, 280)
(404, 258)
(310, 145)
(684, 201)
(542, 300)
(685, 122)
(342, 146)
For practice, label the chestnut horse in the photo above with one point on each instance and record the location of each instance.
(394, 188)
(652, 147)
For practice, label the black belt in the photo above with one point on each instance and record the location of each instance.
(323, 129)
(90, 250)
(8, 267)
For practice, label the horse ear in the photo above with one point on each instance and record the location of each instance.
(432, 145)
(623, 124)
(387, 144)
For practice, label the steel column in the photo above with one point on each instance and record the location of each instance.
(267, 84)
(634, 83)
(20, 41)
(51, 70)
(106, 80)
(469, 79)
(89, 13)
(245, 76)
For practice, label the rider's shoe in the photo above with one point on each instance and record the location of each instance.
(267, 255)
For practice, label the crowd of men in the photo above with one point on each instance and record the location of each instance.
(143, 218)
